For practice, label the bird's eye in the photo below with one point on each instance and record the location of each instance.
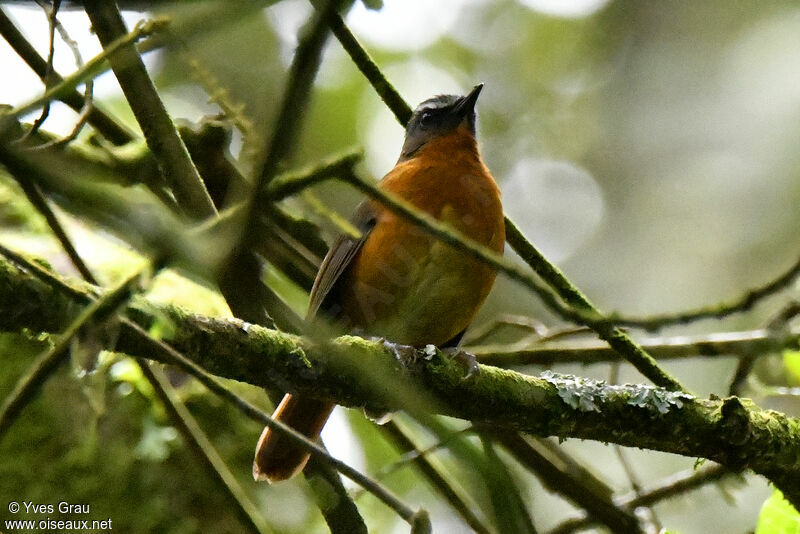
(426, 119)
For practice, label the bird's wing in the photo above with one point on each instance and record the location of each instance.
(339, 257)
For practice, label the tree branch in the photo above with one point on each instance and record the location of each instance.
(321, 462)
(367, 66)
(732, 432)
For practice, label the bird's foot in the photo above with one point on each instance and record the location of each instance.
(405, 354)
(464, 358)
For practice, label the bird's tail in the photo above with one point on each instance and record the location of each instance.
(277, 456)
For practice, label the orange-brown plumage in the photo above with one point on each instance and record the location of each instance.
(378, 292)
(398, 281)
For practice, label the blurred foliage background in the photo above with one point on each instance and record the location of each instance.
(649, 148)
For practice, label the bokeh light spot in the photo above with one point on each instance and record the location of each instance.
(566, 8)
(404, 24)
(556, 204)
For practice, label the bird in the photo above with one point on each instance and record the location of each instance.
(396, 281)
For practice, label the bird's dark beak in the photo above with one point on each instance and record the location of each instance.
(466, 105)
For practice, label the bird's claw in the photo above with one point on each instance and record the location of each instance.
(405, 354)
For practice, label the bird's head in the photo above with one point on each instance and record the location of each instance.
(439, 116)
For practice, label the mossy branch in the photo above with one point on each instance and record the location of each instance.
(730, 431)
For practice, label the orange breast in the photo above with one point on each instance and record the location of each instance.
(404, 284)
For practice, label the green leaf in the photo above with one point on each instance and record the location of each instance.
(778, 516)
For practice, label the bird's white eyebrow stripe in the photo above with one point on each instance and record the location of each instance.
(433, 105)
(437, 103)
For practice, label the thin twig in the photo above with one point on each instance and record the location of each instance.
(721, 344)
(370, 70)
(102, 122)
(71, 43)
(85, 113)
(413, 454)
(677, 484)
(51, 52)
(531, 324)
(83, 117)
(90, 70)
(599, 506)
(151, 114)
(744, 303)
(36, 198)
